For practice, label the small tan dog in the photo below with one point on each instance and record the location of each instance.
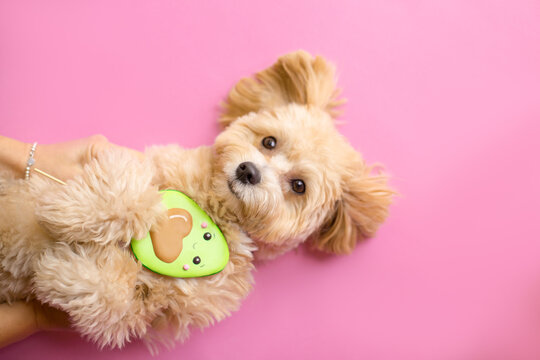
(278, 175)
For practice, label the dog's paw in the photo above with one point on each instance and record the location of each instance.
(113, 200)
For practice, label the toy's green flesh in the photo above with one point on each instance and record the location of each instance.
(213, 253)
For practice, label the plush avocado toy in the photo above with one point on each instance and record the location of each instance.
(189, 244)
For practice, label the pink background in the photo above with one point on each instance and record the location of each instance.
(445, 93)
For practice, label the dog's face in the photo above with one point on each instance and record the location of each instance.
(282, 169)
(290, 175)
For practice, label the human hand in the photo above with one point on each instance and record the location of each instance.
(66, 160)
(49, 318)
(22, 319)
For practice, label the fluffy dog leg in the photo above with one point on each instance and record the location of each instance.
(95, 285)
(111, 202)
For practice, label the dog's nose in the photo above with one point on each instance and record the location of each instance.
(248, 173)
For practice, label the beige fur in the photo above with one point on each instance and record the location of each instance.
(68, 246)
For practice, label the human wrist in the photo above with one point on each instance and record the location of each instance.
(14, 156)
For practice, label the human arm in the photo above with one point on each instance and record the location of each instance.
(22, 319)
(61, 160)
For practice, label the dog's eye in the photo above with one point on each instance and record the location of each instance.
(196, 260)
(269, 142)
(298, 186)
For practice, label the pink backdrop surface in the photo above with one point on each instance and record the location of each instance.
(445, 93)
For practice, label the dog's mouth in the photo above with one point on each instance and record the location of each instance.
(230, 184)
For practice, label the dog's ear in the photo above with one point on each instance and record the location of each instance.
(295, 78)
(357, 214)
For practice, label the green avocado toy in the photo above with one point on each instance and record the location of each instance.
(188, 244)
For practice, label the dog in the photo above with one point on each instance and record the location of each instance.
(278, 175)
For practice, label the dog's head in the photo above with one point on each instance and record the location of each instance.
(286, 170)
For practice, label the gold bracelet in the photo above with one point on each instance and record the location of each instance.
(49, 176)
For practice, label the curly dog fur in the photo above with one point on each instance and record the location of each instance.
(68, 245)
